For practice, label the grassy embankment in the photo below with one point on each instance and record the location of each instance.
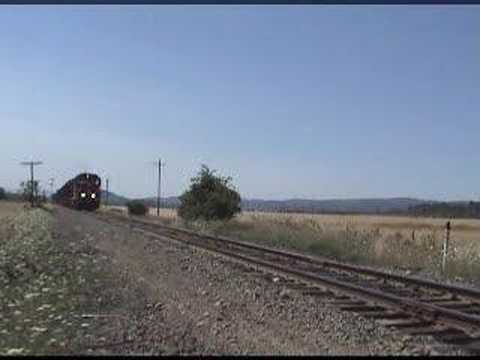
(46, 285)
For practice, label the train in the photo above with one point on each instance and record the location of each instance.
(83, 192)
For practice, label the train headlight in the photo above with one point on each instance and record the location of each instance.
(83, 195)
(93, 196)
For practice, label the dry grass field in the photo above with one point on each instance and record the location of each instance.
(9, 208)
(393, 241)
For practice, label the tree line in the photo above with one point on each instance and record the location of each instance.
(24, 193)
(469, 209)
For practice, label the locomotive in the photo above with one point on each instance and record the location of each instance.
(80, 193)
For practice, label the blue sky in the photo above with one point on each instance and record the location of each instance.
(291, 101)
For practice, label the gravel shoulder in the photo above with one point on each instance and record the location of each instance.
(204, 303)
(112, 290)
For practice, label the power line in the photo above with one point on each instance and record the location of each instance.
(32, 187)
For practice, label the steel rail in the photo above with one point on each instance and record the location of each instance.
(471, 293)
(408, 305)
(413, 305)
(426, 317)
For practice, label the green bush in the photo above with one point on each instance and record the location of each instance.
(137, 208)
(3, 194)
(210, 197)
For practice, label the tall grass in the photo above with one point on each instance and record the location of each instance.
(386, 241)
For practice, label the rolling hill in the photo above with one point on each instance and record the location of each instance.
(315, 206)
(114, 199)
(409, 206)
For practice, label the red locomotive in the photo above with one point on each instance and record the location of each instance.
(80, 193)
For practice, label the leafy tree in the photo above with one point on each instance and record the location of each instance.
(3, 194)
(210, 197)
(136, 208)
(26, 189)
(443, 209)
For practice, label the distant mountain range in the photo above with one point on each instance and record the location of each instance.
(169, 202)
(297, 205)
(118, 200)
(333, 205)
(114, 199)
(406, 206)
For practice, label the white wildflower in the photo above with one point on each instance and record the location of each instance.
(31, 295)
(15, 351)
(38, 329)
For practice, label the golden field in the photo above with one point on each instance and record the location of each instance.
(392, 241)
(10, 208)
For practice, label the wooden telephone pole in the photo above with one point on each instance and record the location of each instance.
(51, 181)
(32, 181)
(106, 196)
(160, 164)
(445, 247)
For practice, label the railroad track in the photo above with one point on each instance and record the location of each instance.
(450, 314)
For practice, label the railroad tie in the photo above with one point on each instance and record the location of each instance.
(459, 338)
(405, 323)
(473, 346)
(458, 306)
(303, 287)
(387, 315)
(434, 330)
(319, 293)
(362, 308)
(346, 303)
(436, 300)
(474, 311)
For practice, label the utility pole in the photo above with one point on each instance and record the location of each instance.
(50, 182)
(106, 199)
(445, 247)
(160, 164)
(31, 164)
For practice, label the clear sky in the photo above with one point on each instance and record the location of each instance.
(291, 101)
